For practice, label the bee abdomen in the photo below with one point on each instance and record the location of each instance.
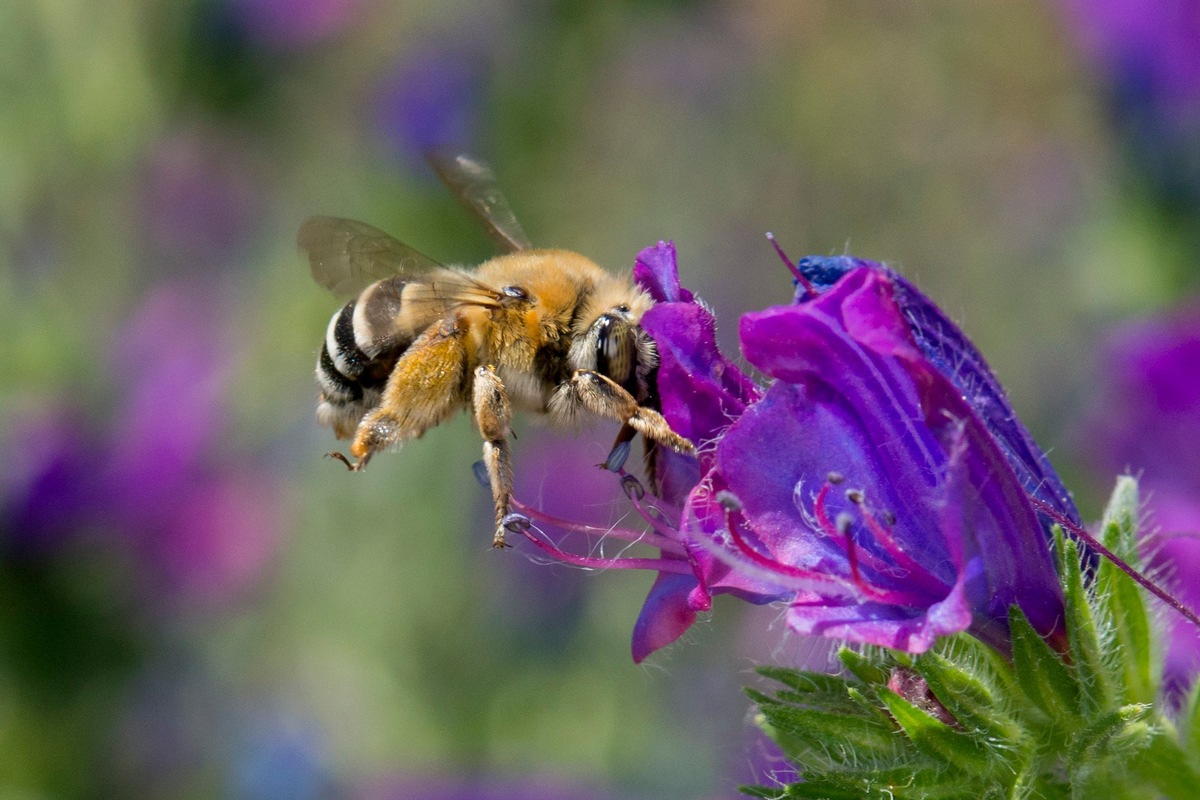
(362, 343)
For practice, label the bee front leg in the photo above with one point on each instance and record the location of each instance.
(493, 416)
(425, 387)
(605, 398)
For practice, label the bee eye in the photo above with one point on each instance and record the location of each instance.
(623, 308)
(515, 292)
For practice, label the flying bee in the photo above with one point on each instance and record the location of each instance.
(544, 331)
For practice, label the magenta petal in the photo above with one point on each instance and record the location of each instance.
(939, 501)
(911, 630)
(666, 614)
(656, 271)
(953, 355)
(704, 519)
(701, 390)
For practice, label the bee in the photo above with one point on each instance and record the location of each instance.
(548, 332)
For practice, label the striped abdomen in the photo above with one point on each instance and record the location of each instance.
(362, 343)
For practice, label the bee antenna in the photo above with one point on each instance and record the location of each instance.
(792, 268)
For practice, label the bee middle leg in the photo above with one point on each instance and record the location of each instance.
(493, 416)
(604, 397)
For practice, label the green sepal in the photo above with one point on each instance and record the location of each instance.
(964, 686)
(896, 783)
(823, 739)
(1047, 682)
(863, 664)
(935, 738)
(1119, 732)
(1121, 601)
(1092, 672)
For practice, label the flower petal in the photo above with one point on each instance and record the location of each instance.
(666, 614)
(657, 272)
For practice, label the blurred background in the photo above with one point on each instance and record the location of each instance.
(194, 603)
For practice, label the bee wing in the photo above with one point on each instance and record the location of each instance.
(347, 256)
(476, 187)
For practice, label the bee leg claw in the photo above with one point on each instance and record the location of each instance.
(350, 465)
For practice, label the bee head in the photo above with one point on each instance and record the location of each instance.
(619, 349)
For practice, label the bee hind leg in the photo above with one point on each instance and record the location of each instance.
(493, 417)
(353, 466)
(425, 387)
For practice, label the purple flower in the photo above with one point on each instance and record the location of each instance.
(1147, 420)
(202, 528)
(880, 485)
(1147, 416)
(1148, 57)
(432, 101)
(201, 202)
(1174, 549)
(491, 787)
(891, 509)
(291, 24)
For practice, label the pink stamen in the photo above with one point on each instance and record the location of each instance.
(1119, 563)
(654, 539)
(883, 535)
(787, 570)
(836, 533)
(856, 555)
(657, 564)
(652, 515)
(796, 273)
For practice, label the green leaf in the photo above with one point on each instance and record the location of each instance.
(836, 738)
(1164, 765)
(803, 681)
(935, 738)
(1118, 530)
(1092, 673)
(864, 665)
(1189, 722)
(1122, 606)
(1049, 683)
(972, 700)
(900, 783)
(1117, 734)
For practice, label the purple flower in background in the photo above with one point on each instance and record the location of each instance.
(44, 502)
(1175, 554)
(881, 485)
(201, 202)
(432, 100)
(491, 787)
(1148, 55)
(1147, 417)
(1147, 421)
(294, 23)
(202, 528)
(209, 526)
